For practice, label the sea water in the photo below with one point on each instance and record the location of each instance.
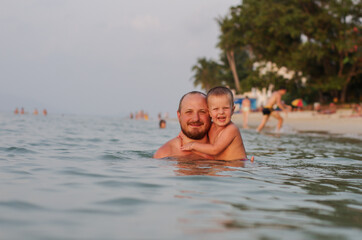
(84, 177)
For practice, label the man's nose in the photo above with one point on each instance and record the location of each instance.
(196, 117)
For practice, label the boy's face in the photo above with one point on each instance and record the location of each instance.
(221, 109)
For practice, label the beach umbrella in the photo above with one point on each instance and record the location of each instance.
(299, 102)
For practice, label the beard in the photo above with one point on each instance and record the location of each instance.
(196, 134)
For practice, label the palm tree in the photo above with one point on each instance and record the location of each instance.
(228, 43)
(207, 74)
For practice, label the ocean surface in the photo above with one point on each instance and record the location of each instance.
(84, 177)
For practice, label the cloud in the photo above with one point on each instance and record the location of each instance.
(146, 22)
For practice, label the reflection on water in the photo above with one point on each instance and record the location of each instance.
(75, 177)
(184, 167)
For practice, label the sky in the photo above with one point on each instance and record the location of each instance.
(104, 57)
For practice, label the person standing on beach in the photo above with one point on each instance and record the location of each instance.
(245, 108)
(224, 136)
(194, 119)
(268, 109)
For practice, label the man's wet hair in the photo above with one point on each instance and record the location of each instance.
(189, 93)
(221, 91)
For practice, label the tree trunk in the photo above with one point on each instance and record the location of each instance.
(321, 99)
(231, 60)
(348, 80)
(344, 90)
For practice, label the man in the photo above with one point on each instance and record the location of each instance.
(194, 119)
(268, 109)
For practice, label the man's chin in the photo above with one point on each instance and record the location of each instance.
(194, 135)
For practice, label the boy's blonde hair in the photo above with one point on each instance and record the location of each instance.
(221, 91)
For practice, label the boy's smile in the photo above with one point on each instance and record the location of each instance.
(220, 109)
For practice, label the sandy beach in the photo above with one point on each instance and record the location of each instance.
(309, 121)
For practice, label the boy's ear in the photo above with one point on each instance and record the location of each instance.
(233, 109)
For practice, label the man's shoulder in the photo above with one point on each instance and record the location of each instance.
(166, 149)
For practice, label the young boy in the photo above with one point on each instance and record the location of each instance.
(224, 137)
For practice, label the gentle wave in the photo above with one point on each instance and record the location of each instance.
(125, 201)
(20, 205)
(16, 150)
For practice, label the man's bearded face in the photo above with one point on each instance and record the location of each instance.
(194, 117)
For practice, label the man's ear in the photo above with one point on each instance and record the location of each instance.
(178, 115)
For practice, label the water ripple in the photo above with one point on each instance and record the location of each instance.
(20, 205)
(83, 174)
(124, 201)
(17, 150)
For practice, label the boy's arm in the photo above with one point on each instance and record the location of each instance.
(221, 143)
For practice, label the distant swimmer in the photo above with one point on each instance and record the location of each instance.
(16, 111)
(268, 109)
(45, 112)
(22, 111)
(225, 141)
(35, 112)
(162, 123)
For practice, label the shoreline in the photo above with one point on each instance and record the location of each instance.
(308, 121)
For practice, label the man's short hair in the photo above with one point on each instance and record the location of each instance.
(220, 91)
(182, 98)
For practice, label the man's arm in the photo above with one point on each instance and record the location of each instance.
(221, 143)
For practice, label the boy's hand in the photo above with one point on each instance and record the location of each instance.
(187, 147)
(181, 137)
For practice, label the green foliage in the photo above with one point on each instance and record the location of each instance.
(207, 74)
(320, 38)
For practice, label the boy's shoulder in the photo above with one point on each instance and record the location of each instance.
(232, 126)
(233, 129)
